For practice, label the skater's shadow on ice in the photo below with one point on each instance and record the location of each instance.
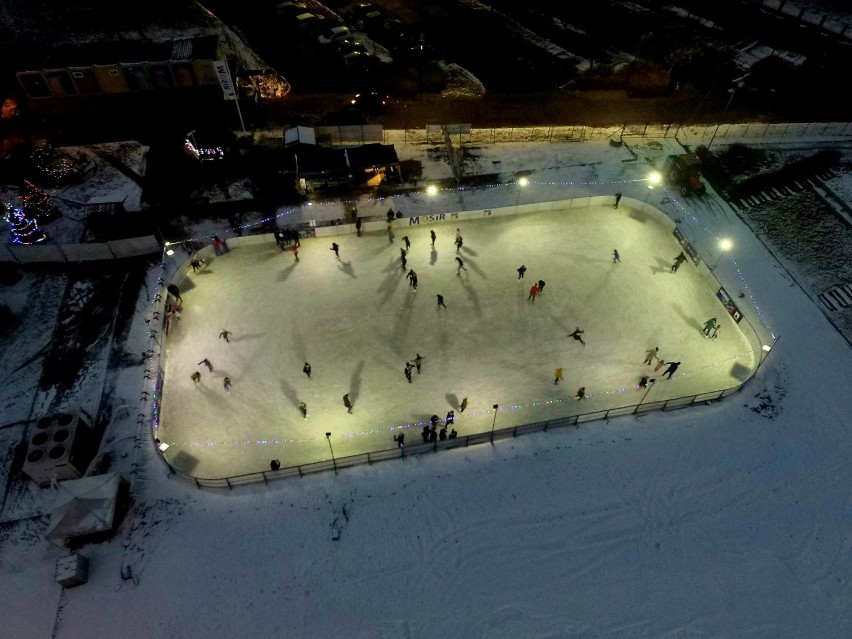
(433, 257)
(355, 382)
(346, 267)
(474, 298)
(688, 320)
(243, 338)
(469, 252)
(473, 267)
(453, 401)
(389, 285)
(661, 267)
(285, 273)
(290, 393)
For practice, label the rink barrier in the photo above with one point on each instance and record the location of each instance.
(462, 441)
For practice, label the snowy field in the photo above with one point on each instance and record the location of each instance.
(357, 321)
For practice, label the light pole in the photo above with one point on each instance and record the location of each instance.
(522, 182)
(648, 386)
(654, 178)
(431, 191)
(733, 92)
(724, 247)
(495, 407)
(333, 461)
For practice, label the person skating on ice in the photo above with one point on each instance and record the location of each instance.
(578, 335)
(225, 334)
(418, 361)
(461, 267)
(540, 286)
(615, 256)
(670, 370)
(196, 377)
(433, 236)
(227, 385)
(336, 249)
(407, 242)
(347, 403)
(207, 363)
(441, 302)
(303, 408)
(521, 270)
(306, 369)
(408, 368)
(463, 405)
(581, 393)
(709, 325)
(533, 293)
(680, 259)
(651, 354)
(557, 375)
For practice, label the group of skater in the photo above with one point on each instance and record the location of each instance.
(437, 429)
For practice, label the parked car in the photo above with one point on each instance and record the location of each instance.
(335, 34)
(371, 102)
(307, 21)
(342, 47)
(287, 9)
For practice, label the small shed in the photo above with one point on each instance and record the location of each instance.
(87, 509)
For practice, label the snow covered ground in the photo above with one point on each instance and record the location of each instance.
(729, 519)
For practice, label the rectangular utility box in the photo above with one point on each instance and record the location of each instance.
(72, 570)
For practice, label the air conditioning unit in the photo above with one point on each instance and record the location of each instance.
(61, 446)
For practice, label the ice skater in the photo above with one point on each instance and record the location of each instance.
(407, 242)
(296, 253)
(433, 236)
(441, 302)
(175, 291)
(578, 335)
(459, 242)
(453, 434)
(540, 286)
(222, 243)
(347, 403)
(306, 369)
(709, 325)
(207, 363)
(227, 384)
(645, 382)
(196, 264)
(581, 393)
(557, 375)
(412, 279)
(716, 330)
(303, 408)
(418, 361)
(461, 265)
(196, 377)
(651, 354)
(400, 440)
(402, 258)
(463, 405)
(617, 199)
(670, 370)
(533, 292)
(425, 433)
(680, 259)
(521, 271)
(616, 258)
(274, 464)
(217, 247)
(358, 226)
(336, 249)
(408, 368)
(451, 418)
(225, 334)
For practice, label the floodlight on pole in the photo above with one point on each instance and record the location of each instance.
(654, 179)
(333, 461)
(522, 182)
(724, 246)
(431, 191)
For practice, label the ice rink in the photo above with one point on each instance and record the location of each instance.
(357, 321)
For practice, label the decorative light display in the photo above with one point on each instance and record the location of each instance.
(24, 230)
(35, 202)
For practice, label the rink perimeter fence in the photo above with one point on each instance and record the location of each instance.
(151, 396)
(488, 437)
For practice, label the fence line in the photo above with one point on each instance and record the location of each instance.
(465, 441)
(686, 134)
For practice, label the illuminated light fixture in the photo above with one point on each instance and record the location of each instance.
(431, 189)
(170, 252)
(163, 447)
